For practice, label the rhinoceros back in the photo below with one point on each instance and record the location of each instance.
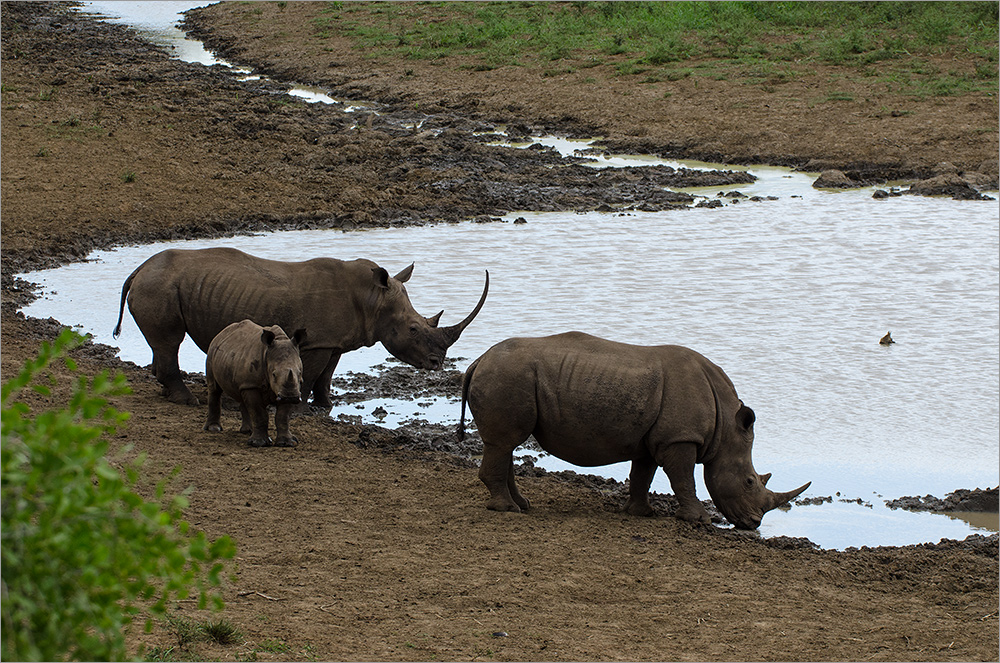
(203, 291)
(592, 401)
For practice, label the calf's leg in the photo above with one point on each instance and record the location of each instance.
(214, 406)
(283, 437)
(253, 401)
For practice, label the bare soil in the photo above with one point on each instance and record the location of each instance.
(360, 544)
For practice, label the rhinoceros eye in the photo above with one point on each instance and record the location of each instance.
(750, 481)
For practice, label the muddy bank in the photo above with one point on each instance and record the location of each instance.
(730, 118)
(226, 156)
(975, 500)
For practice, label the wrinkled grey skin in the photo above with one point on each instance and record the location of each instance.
(344, 305)
(257, 366)
(592, 402)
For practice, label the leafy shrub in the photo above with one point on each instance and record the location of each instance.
(81, 550)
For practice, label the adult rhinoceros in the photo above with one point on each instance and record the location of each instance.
(594, 402)
(344, 304)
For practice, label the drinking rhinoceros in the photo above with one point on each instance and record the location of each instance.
(591, 402)
(257, 366)
(344, 305)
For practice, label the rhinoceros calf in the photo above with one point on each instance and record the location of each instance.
(257, 366)
(591, 401)
(344, 305)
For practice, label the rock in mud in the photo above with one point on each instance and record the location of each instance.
(949, 184)
(835, 179)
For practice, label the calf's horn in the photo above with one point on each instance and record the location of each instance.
(781, 499)
(452, 333)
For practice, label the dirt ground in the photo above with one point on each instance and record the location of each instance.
(358, 544)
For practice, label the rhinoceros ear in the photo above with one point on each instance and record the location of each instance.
(745, 417)
(267, 337)
(381, 277)
(404, 275)
(298, 337)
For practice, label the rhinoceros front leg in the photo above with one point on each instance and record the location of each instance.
(678, 461)
(283, 437)
(253, 405)
(639, 480)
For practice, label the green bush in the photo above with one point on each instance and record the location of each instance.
(82, 552)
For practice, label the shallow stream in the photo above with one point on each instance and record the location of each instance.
(789, 296)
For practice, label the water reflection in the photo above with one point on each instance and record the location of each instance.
(157, 21)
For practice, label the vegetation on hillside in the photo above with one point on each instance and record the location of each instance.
(890, 39)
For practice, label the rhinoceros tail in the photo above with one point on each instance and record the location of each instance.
(466, 381)
(121, 307)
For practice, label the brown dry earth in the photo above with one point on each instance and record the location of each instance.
(350, 547)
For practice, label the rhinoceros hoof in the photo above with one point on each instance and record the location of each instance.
(260, 442)
(184, 397)
(213, 428)
(289, 441)
(498, 505)
(324, 404)
(694, 515)
(639, 509)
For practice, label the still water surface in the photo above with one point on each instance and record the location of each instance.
(789, 297)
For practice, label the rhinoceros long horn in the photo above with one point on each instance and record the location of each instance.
(781, 499)
(452, 333)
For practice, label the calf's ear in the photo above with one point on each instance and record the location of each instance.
(267, 337)
(299, 336)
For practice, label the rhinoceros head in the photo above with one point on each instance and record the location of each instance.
(737, 490)
(408, 335)
(284, 365)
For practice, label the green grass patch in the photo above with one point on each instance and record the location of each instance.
(633, 35)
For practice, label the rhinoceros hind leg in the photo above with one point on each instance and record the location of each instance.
(320, 386)
(639, 480)
(497, 472)
(177, 392)
(515, 494)
(167, 370)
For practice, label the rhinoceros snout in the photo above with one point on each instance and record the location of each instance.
(750, 524)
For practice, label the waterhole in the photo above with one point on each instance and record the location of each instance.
(788, 295)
